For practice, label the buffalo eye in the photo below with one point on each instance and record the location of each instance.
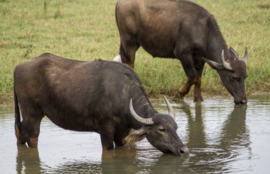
(162, 129)
(234, 78)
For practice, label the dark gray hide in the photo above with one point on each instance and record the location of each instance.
(85, 96)
(181, 30)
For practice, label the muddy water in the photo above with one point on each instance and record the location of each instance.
(222, 138)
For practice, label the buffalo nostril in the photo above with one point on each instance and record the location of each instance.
(184, 151)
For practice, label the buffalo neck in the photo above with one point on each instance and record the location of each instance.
(214, 49)
(216, 43)
(142, 107)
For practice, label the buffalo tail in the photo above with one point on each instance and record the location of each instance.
(17, 117)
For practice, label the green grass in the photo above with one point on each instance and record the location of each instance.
(86, 30)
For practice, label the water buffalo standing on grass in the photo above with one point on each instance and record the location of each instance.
(99, 96)
(181, 30)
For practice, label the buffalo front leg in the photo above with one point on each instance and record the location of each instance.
(119, 137)
(107, 130)
(197, 89)
(188, 65)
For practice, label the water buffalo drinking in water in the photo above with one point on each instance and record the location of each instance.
(98, 96)
(185, 31)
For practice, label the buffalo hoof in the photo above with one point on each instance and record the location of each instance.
(198, 99)
(178, 96)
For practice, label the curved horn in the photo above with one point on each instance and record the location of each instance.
(234, 53)
(170, 109)
(147, 121)
(225, 64)
(245, 56)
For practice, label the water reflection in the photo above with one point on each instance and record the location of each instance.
(77, 167)
(195, 126)
(233, 139)
(205, 157)
(134, 160)
(222, 139)
(28, 160)
(234, 130)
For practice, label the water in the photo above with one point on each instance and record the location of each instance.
(222, 138)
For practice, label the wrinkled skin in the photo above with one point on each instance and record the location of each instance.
(181, 30)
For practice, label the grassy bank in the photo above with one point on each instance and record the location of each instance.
(86, 30)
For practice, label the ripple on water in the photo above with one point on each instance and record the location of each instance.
(222, 138)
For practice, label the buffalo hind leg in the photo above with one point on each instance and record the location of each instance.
(30, 126)
(128, 49)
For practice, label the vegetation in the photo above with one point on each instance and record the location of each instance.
(86, 30)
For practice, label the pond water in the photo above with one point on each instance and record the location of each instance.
(222, 138)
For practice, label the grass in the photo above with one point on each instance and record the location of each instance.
(86, 30)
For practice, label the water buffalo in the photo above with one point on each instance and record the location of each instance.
(89, 96)
(181, 30)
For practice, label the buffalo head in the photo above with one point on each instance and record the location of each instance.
(232, 74)
(160, 130)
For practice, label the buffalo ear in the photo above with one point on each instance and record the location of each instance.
(213, 64)
(137, 135)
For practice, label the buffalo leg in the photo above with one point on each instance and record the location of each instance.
(107, 131)
(30, 126)
(128, 49)
(188, 65)
(197, 89)
(119, 137)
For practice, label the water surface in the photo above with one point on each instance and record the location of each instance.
(222, 138)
